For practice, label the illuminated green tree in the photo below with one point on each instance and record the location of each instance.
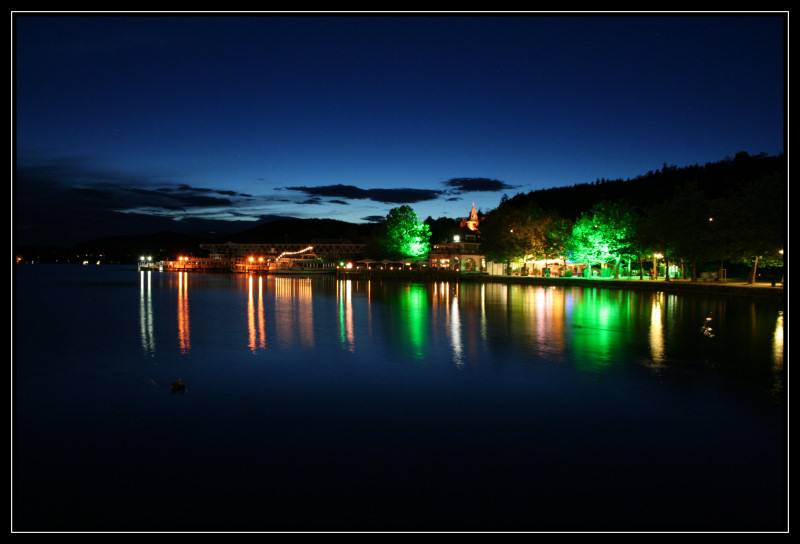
(602, 235)
(404, 235)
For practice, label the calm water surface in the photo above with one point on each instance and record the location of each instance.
(327, 404)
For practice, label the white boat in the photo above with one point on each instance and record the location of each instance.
(301, 262)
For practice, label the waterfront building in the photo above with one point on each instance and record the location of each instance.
(270, 251)
(463, 252)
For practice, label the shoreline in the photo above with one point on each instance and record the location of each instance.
(735, 287)
(731, 287)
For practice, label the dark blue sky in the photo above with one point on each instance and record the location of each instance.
(198, 118)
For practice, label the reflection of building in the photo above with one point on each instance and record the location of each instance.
(463, 253)
(185, 264)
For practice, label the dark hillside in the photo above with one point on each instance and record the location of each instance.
(715, 179)
(303, 231)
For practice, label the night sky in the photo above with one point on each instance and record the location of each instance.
(130, 124)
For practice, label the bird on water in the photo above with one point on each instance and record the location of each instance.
(177, 387)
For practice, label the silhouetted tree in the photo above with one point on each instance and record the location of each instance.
(751, 222)
(680, 227)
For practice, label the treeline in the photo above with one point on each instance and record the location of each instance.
(715, 179)
(734, 210)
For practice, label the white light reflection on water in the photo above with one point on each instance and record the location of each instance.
(455, 333)
(146, 314)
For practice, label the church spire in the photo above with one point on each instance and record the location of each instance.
(472, 222)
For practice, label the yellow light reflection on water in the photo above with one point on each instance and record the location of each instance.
(294, 313)
(547, 304)
(777, 341)
(184, 340)
(657, 331)
(255, 317)
(778, 353)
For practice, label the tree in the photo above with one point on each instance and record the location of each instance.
(680, 227)
(523, 232)
(404, 235)
(442, 229)
(751, 222)
(602, 235)
(497, 236)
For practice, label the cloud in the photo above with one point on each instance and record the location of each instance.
(385, 196)
(374, 218)
(67, 200)
(475, 185)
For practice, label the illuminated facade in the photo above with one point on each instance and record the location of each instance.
(463, 253)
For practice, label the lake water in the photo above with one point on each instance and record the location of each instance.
(324, 404)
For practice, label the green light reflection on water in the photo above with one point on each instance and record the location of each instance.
(600, 324)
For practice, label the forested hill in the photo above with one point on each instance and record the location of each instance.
(714, 179)
(303, 231)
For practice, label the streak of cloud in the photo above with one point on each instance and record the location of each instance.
(474, 185)
(384, 196)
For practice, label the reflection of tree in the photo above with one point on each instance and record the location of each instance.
(601, 327)
(408, 314)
